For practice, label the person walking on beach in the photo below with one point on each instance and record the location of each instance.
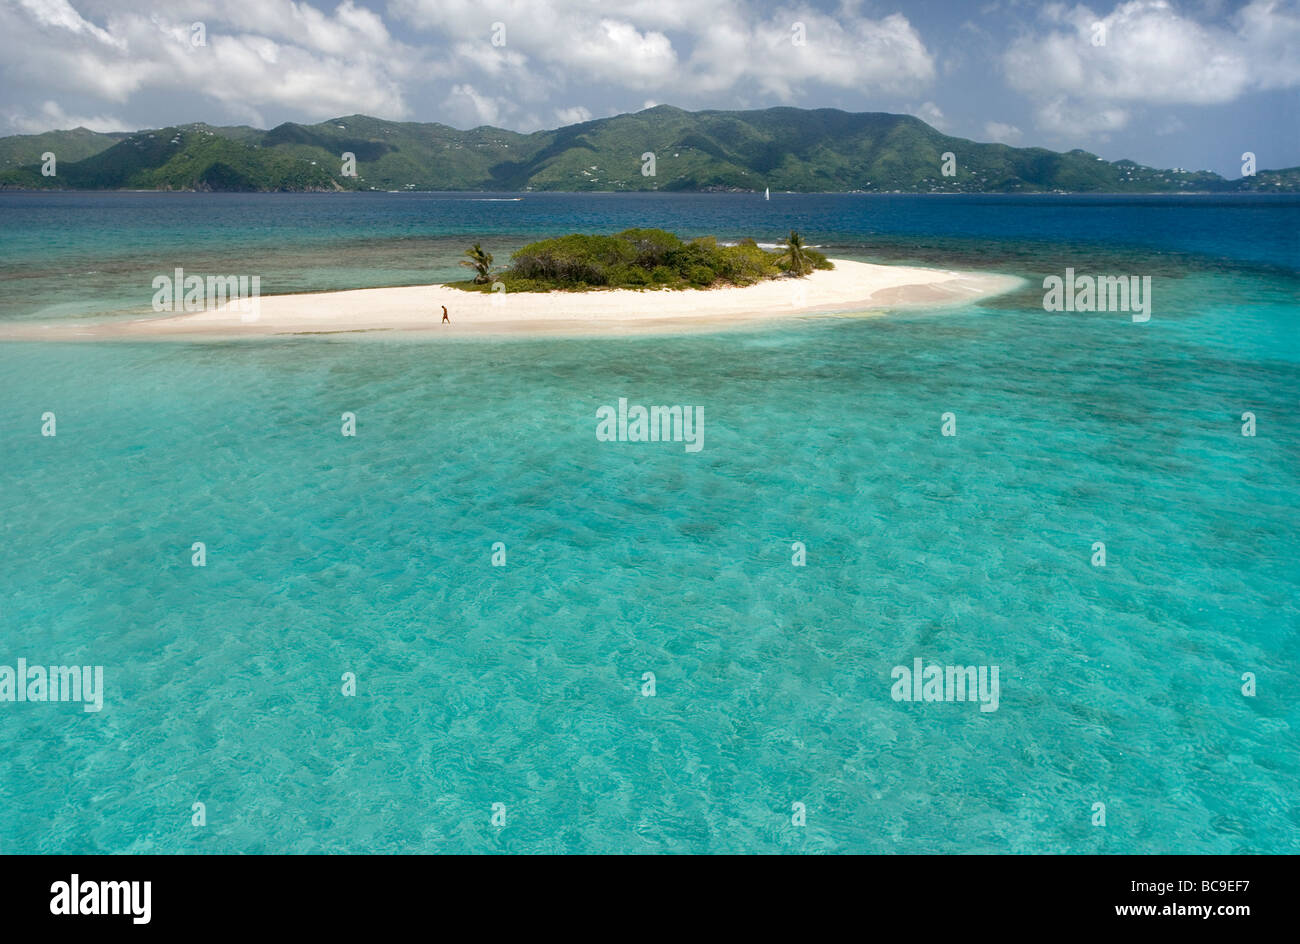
(445, 319)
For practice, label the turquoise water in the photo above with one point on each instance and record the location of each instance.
(521, 684)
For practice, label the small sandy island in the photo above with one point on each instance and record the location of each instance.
(851, 288)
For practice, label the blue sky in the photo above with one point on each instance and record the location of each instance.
(1171, 84)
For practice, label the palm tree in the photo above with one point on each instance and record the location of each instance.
(794, 256)
(480, 262)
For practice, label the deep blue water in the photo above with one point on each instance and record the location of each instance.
(522, 685)
(81, 253)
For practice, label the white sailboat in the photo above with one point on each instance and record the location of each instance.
(767, 193)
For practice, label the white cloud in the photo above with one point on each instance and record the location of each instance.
(1151, 54)
(472, 108)
(492, 60)
(931, 114)
(322, 58)
(572, 116)
(258, 53)
(1002, 133)
(843, 50)
(681, 47)
(60, 16)
(1071, 117)
(618, 52)
(52, 117)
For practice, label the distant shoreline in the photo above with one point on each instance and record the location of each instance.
(657, 149)
(692, 193)
(850, 289)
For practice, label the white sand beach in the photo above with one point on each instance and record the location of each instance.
(850, 289)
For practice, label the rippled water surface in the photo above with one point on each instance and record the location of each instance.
(522, 685)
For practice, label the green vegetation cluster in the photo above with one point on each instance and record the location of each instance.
(786, 149)
(638, 258)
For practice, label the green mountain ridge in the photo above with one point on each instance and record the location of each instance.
(785, 149)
